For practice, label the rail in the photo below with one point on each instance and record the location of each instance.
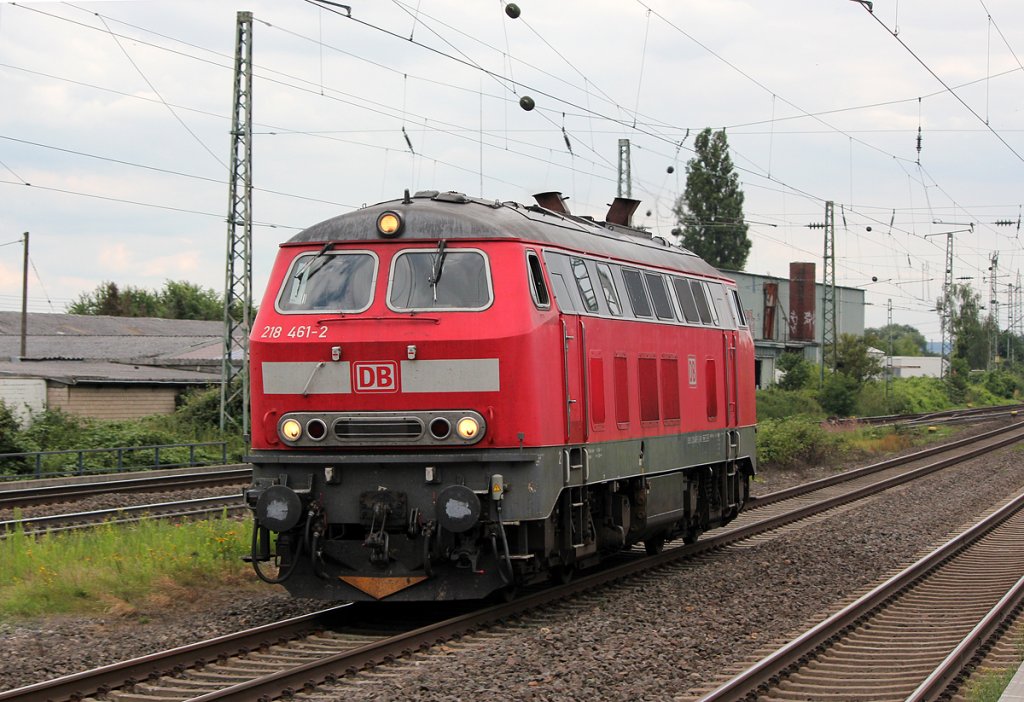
(59, 464)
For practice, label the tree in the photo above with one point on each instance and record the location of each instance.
(853, 359)
(906, 340)
(177, 300)
(971, 335)
(796, 369)
(710, 210)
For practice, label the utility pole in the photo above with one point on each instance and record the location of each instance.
(24, 301)
(234, 381)
(625, 188)
(828, 311)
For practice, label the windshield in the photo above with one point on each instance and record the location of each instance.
(416, 283)
(329, 281)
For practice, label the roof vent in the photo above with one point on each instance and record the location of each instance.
(552, 201)
(451, 196)
(621, 210)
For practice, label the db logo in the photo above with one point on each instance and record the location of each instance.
(379, 376)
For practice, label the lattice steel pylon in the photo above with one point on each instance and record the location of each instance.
(948, 334)
(625, 187)
(828, 296)
(234, 382)
(993, 301)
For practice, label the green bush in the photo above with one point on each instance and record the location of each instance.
(980, 396)
(916, 395)
(1003, 384)
(54, 430)
(838, 395)
(196, 421)
(796, 442)
(775, 403)
(871, 401)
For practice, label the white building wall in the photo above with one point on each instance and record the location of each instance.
(24, 396)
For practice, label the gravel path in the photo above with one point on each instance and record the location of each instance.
(660, 636)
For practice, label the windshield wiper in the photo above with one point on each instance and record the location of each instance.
(319, 260)
(437, 266)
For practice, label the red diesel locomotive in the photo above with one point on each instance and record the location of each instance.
(453, 397)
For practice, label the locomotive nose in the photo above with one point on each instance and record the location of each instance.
(279, 508)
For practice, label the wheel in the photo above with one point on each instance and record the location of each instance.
(654, 545)
(563, 574)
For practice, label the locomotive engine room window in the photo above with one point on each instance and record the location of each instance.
(538, 288)
(685, 297)
(611, 295)
(439, 279)
(562, 296)
(338, 282)
(719, 302)
(702, 302)
(659, 294)
(586, 287)
(635, 290)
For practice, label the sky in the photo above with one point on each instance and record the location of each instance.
(116, 117)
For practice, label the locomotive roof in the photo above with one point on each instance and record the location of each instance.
(430, 215)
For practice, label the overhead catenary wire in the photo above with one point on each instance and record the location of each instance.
(563, 129)
(949, 89)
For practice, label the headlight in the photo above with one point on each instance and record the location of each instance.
(467, 428)
(291, 430)
(389, 224)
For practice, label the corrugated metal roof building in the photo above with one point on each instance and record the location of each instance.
(105, 367)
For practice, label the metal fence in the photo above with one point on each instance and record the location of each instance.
(53, 464)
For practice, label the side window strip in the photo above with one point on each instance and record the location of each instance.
(685, 296)
(659, 294)
(702, 303)
(635, 290)
(586, 287)
(611, 295)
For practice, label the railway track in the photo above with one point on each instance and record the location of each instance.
(955, 416)
(14, 496)
(275, 662)
(198, 508)
(908, 639)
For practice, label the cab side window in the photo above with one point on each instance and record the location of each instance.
(538, 288)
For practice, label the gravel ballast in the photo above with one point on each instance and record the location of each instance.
(664, 635)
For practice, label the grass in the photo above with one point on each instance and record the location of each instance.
(119, 569)
(875, 440)
(988, 685)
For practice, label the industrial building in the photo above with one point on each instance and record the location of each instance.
(786, 314)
